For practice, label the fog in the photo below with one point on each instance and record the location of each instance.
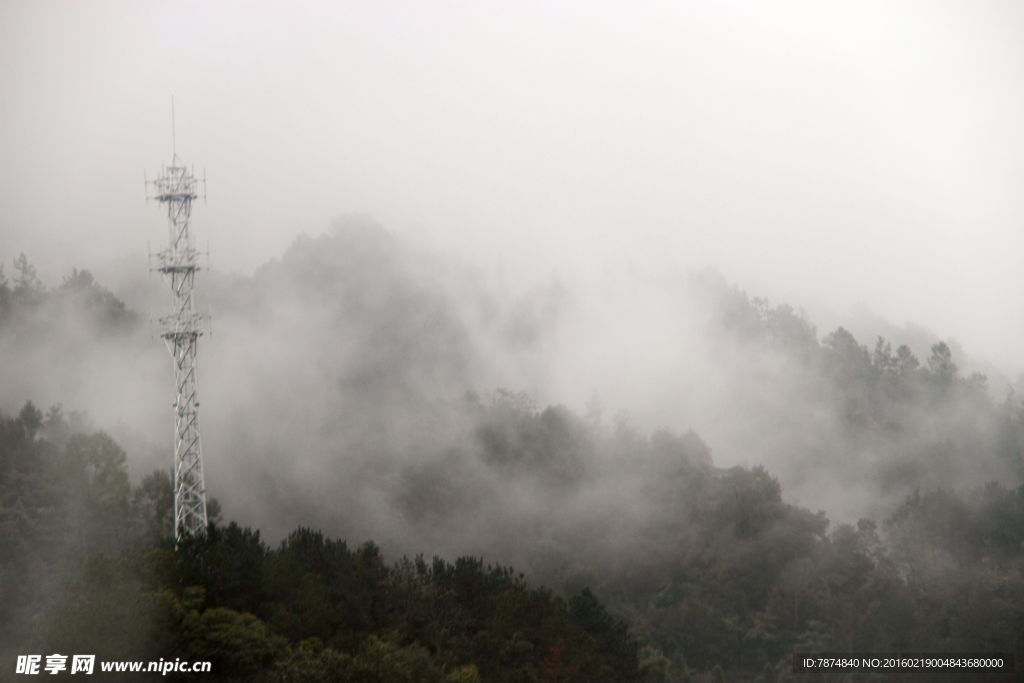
(711, 307)
(831, 157)
(551, 180)
(379, 389)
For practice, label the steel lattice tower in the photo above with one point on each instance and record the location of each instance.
(176, 187)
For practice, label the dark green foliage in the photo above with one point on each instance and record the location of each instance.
(724, 572)
(88, 567)
(229, 562)
(716, 574)
(407, 622)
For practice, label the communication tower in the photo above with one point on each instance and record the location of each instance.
(176, 187)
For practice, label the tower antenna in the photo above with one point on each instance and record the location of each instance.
(174, 134)
(176, 187)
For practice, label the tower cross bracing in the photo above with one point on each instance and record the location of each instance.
(176, 187)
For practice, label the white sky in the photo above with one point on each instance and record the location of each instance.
(825, 153)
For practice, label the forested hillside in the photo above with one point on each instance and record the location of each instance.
(375, 416)
(726, 574)
(872, 424)
(88, 567)
(360, 349)
(341, 370)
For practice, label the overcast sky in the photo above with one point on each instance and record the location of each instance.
(826, 153)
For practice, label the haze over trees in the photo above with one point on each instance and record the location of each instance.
(877, 503)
